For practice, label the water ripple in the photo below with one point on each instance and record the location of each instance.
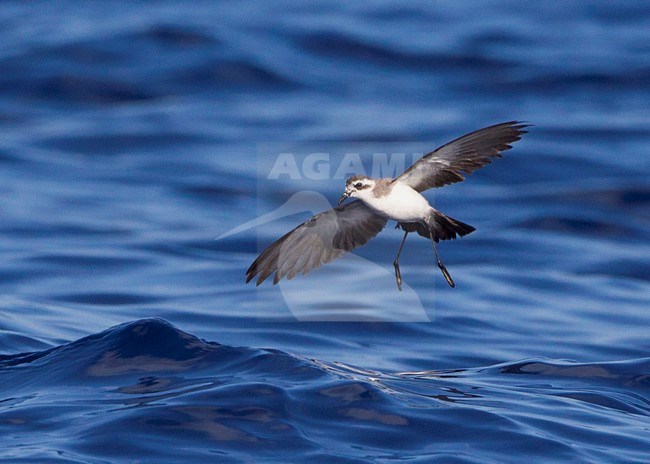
(266, 401)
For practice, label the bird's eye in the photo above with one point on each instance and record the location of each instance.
(358, 185)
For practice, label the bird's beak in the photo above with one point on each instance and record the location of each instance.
(345, 195)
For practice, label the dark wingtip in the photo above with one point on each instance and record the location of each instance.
(251, 275)
(251, 271)
(521, 125)
(260, 277)
(518, 128)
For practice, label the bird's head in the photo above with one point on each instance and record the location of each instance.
(357, 187)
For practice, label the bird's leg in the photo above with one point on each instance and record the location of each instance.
(442, 267)
(398, 274)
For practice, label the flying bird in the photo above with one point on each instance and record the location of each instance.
(332, 233)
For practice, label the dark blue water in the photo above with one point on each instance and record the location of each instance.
(132, 136)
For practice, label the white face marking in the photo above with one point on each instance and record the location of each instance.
(361, 188)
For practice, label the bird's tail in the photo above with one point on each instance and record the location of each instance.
(440, 226)
(443, 227)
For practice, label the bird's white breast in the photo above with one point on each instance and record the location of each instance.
(401, 204)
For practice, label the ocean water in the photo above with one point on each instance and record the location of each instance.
(137, 148)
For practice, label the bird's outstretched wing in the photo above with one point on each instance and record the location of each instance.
(452, 161)
(320, 240)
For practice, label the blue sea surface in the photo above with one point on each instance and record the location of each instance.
(137, 145)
